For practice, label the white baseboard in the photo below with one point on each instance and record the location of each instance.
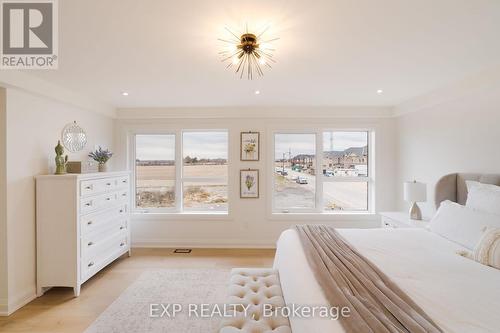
(203, 243)
(7, 307)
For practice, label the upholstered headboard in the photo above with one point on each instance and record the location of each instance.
(452, 187)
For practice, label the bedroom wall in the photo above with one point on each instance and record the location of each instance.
(3, 203)
(459, 134)
(250, 223)
(34, 125)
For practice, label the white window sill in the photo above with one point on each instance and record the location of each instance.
(184, 216)
(324, 216)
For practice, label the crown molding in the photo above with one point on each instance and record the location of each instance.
(255, 112)
(486, 79)
(20, 80)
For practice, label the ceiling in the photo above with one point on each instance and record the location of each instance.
(330, 52)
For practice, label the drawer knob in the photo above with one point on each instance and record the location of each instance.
(121, 210)
(107, 199)
(124, 194)
(88, 187)
(122, 244)
(108, 184)
(89, 222)
(122, 227)
(90, 264)
(88, 204)
(90, 243)
(124, 181)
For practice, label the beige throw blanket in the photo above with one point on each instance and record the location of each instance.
(349, 279)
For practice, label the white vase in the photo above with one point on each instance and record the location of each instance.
(103, 167)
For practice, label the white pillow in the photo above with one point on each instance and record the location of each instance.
(462, 224)
(483, 197)
(487, 251)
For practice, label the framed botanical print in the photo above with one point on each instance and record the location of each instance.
(250, 146)
(249, 183)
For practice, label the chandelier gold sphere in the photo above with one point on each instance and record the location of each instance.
(247, 54)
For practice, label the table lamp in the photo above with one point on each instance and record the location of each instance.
(415, 192)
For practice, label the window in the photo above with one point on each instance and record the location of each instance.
(294, 171)
(204, 176)
(155, 171)
(201, 183)
(340, 183)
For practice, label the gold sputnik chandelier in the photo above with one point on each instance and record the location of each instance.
(248, 53)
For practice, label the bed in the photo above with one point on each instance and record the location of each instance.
(423, 264)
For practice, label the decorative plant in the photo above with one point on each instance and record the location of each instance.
(249, 182)
(249, 148)
(101, 156)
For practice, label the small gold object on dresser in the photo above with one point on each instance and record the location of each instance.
(82, 167)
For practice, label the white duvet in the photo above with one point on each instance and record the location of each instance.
(459, 294)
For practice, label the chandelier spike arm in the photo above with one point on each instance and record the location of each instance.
(236, 54)
(229, 41)
(263, 31)
(232, 33)
(270, 40)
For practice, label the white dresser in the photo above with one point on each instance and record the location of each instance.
(395, 220)
(82, 225)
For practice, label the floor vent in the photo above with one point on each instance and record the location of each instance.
(182, 251)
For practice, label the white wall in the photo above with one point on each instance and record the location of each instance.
(34, 125)
(460, 134)
(250, 224)
(3, 203)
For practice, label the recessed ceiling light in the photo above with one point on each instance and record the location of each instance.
(380, 91)
(124, 93)
(257, 92)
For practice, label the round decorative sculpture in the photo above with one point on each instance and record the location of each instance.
(74, 137)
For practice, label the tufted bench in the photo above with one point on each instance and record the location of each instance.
(255, 287)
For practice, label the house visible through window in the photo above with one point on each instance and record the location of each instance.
(335, 180)
(295, 171)
(201, 184)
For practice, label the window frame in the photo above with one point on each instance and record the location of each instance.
(320, 179)
(178, 210)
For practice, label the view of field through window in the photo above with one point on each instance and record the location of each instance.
(155, 171)
(345, 154)
(204, 171)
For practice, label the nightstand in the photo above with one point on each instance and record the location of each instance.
(401, 220)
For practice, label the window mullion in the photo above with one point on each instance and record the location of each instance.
(319, 172)
(178, 172)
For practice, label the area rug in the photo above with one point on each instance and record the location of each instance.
(167, 301)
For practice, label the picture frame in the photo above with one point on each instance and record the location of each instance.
(249, 146)
(249, 184)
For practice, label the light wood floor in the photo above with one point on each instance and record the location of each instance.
(59, 312)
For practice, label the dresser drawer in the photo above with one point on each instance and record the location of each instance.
(391, 223)
(95, 222)
(387, 223)
(97, 186)
(102, 201)
(123, 182)
(97, 242)
(107, 252)
(123, 195)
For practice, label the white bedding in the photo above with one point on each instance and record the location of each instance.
(459, 294)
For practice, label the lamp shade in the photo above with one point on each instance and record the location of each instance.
(415, 191)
